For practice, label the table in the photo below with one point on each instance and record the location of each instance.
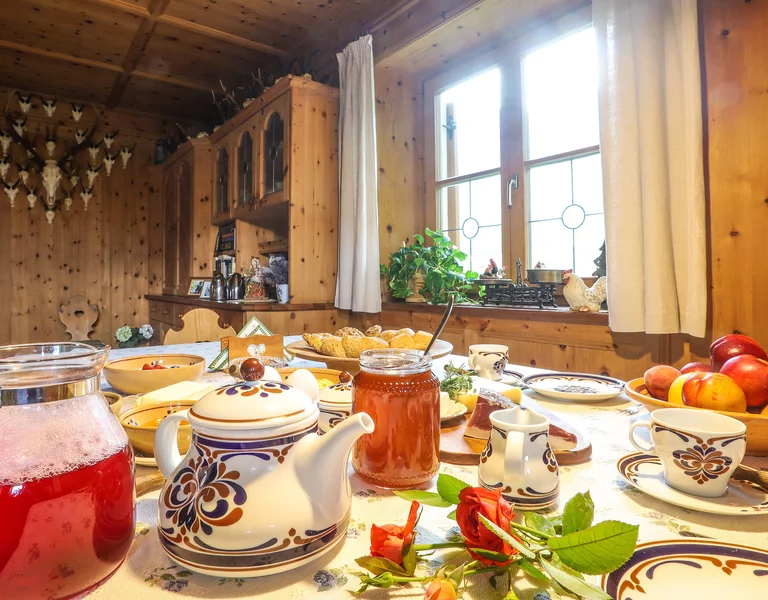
(148, 573)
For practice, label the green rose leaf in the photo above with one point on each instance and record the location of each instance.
(571, 583)
(426, 498)
(378, 565)
(498, 531)
(597, 550)
(532, 571)
(578, 513)
(410, 559)
(539, 523)
(449, 487)
(491, 555)
(451, 515)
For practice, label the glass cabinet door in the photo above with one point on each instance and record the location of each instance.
(222, 182)
(274, 138)
(245, 170)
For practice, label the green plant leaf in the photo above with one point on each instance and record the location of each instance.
(597, 550)
(378, 565)
(426, 498)
(498, 531)
(531, 571)
(472, 275)
(571, 583)
(383, 269)
(491, 555)
(435, 235)
(449, 487)
(410, 559)
(578, 513)
(539, 523)
(419, 238)
(451, 515)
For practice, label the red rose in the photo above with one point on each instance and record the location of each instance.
(388, 541)
(479, 501)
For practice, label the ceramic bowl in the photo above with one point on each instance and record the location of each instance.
(141, 424)
(126, 374)
(320, 373)
(115, 402)
(757, 425)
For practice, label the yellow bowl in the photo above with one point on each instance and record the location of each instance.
(126, 374)
(115, 402)
(141, 424)
(757, 424)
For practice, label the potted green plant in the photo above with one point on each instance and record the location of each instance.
(429, 272)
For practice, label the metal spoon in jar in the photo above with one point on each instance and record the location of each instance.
(441, 326)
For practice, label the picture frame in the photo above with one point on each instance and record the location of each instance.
(205, 293)
(195, 286)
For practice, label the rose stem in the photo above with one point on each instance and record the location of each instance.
(420, 547)
(530, 531)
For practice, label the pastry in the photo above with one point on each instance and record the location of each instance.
(332, 346)
(421, 340)
(374, 331)
(314, 340)
(479, 425)
(348, 331)
(388, 335)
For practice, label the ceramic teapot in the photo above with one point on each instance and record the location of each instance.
(258, 492)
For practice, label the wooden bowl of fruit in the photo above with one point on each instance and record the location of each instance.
(734, 383)
(143, 374)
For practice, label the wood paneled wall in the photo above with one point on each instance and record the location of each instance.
(102, 253)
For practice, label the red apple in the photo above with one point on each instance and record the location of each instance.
(751, 373)
(696, 367)
(732, 345)
(714, 391)
(659, 379)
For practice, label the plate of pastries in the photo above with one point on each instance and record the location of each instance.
(341, 349)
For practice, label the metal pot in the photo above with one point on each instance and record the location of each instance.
(218, 287)
(544, 275)
(235, 287)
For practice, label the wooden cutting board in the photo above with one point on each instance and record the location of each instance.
(459, 450)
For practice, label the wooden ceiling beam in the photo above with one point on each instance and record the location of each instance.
(87, 62)
(196, 28)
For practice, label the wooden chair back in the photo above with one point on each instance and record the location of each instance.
(78, 316)
(198, 325)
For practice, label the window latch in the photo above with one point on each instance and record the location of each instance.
(450, 126)
(511, 185)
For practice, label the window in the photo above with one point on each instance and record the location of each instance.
(565, 226)
(517, 169)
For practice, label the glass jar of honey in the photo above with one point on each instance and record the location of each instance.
(397, 389)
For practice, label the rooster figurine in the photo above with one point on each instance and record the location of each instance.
(579, 296)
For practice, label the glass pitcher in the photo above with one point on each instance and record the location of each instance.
(67, 498)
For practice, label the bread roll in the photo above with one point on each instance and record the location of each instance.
(332, 346)
(374, 331)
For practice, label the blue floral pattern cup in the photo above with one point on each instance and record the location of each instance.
(698, 449)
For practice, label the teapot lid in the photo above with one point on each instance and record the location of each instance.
(253, 405)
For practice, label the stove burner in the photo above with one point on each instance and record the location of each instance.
(510, 294)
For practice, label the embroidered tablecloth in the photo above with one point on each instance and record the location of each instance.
(148, 573)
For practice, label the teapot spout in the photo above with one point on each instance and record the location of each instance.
(321, 464)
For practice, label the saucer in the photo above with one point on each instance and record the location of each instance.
(669, 569)
(577, 387)
(451, 409)
(144, 460)
(644, 471)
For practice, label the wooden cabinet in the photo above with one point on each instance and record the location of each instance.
(188, 236)
(275, 167)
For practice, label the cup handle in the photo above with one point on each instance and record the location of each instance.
(513, 457)
(651, 449)
(471, 361)
(167, 452)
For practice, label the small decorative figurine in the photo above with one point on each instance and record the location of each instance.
(579, 296)
(491, 270)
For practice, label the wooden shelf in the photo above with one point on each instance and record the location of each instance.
(273, 246)
(239, 306)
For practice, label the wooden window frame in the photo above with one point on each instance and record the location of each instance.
(515, 202)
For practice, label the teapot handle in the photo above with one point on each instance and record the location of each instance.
(167, 452)
(513, 458)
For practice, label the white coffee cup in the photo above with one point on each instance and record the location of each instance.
(488, 360)
(698, 449)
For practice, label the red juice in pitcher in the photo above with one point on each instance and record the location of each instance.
(67, 499)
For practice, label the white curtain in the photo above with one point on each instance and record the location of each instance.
(357, 280)
(651, 145)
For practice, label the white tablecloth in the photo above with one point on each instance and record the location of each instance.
(148, 573)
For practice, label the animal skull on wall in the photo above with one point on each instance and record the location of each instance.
(79, 136)
(86, 195)
(93, 150)
(5, 142)
(50, 141)
(109, 139)
(31, 197)
(77, 111)
(49, 106)
(5, 164)
(49, 215)
(11, 189)
(125, 155)
(23, 173)
(92, 172)
(25, 102)
(109, 162)
(20, 126)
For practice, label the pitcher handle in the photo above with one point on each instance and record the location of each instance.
(513, 457)
(167, 452)
(471, 360)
